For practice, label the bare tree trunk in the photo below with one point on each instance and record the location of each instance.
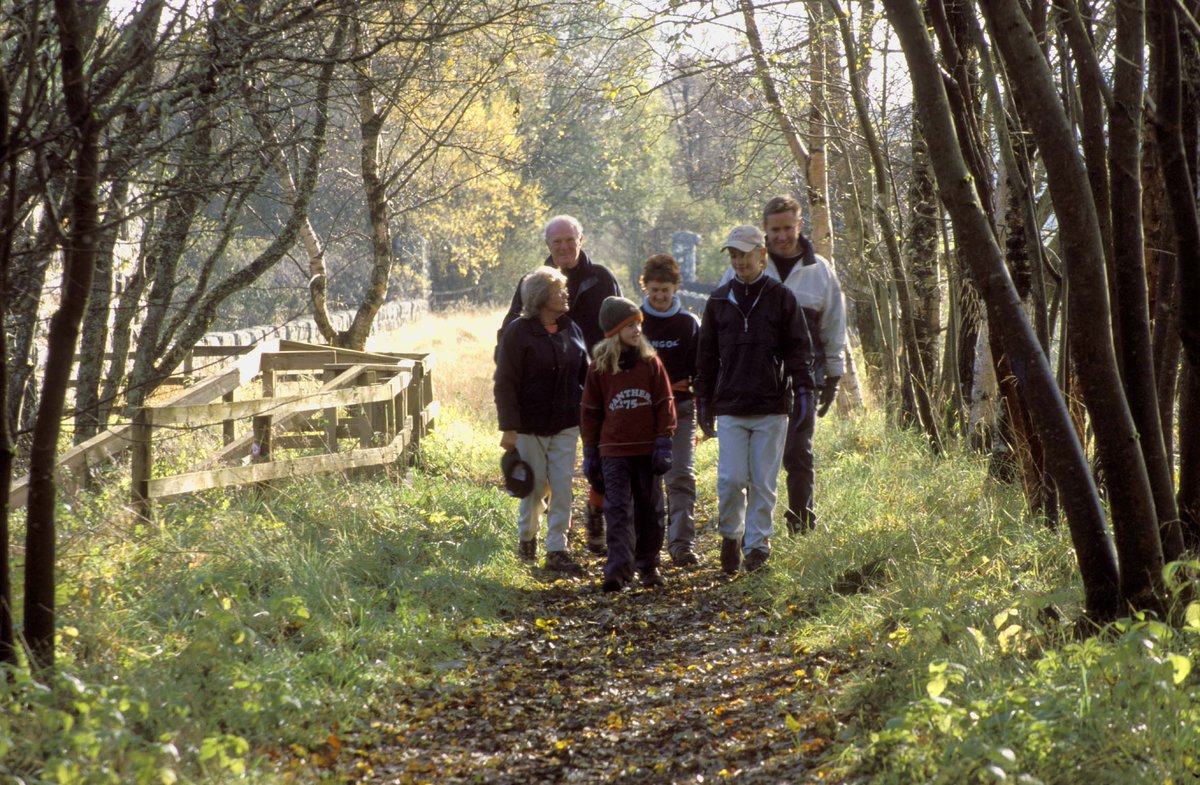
(815, 182)
(8, 646)
(1189, 454)
(1125, 125)
(1162, 273)
(921, 388)
(78, 262)
(91, 415)
(1093, 97)
(371, 122)
(1179, 173)
(1089, 531)
(923, 254)
(1135, 520)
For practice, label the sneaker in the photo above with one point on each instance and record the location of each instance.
(559, 561)
(686, 557)
(527, 550)
(611, 585)
(651, 578)
(731, 555)
(756, 559)
(594, 522)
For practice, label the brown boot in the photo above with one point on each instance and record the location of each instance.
(596, 542)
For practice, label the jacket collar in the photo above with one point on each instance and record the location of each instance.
(676, 304)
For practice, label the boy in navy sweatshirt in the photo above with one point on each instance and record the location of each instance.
(675, 333)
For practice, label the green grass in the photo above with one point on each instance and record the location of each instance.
(235, 637)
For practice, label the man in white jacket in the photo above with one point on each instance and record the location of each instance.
(811, 278)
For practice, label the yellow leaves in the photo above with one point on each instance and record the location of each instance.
(1181, 666)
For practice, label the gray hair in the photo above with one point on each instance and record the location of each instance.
(535, 290)
(568, 219)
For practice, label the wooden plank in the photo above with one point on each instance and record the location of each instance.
(278, 407)
(192, 482)
(300, 441)
(241, 447)
(317, 358)
(116, 439)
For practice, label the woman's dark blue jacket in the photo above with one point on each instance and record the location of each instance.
(539, 376)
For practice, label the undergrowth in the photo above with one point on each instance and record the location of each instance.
(243, 634)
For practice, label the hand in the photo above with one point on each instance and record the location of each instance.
(661, 459)
(705, 419)
(593, 468)
(508, 440)
(801, 406)
(828, 394)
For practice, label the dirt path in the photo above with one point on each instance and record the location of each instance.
(685, 683)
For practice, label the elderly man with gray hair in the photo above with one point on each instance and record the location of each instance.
(588, 285)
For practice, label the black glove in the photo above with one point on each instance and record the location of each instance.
(801, 406)
(661, 459)
(828, 394)
(705, 418)
(593, 468)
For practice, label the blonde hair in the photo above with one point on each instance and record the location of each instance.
(607, 353)
(535, 290)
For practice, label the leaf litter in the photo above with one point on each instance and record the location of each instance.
(688, 683)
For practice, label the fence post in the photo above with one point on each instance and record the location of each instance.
(331, 417)
(416, 403)
(227, 432)
(260, 449)
(370, 410)
(140, 463)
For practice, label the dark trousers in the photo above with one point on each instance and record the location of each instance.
(801, 473)
(633, 510)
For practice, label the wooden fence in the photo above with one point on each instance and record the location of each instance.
(382, 402)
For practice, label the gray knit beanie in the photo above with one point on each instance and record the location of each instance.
(616, 312)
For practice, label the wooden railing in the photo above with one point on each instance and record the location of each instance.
(382, 401)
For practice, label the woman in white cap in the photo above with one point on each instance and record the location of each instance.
(754, 367)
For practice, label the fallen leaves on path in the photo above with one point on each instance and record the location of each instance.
(687, 683)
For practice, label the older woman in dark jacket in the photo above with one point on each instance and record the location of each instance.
(541, 363)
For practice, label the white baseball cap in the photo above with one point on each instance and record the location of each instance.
(745, 238)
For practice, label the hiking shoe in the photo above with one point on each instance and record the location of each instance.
(611, 585)
(731, 555)
(800, 524)
(527, 550)
(651, 578)
(559, 561)
(756, 559)
(594, 522)
(685, 557)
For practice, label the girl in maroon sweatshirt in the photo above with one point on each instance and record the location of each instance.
(626, 421)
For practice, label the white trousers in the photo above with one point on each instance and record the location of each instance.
(749, 453)
(552, 460)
